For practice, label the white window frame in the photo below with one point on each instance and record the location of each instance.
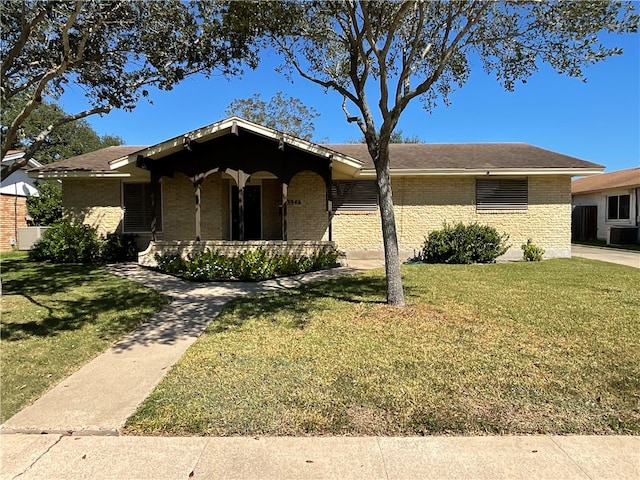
(618, 219)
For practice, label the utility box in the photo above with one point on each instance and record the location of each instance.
(27, 236)
(623, 236)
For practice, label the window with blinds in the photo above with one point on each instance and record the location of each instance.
(137, 208)
(502, 194)
(354, 195)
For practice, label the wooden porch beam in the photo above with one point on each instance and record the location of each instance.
(329, 184)
(198, 187)
(155, 184)
(285, 189)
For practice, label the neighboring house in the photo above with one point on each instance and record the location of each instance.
(14, 191)
(605, 207)
(238, 181)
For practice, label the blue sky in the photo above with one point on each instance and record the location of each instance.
(598, 121)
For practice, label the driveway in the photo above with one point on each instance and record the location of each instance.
(621, 257)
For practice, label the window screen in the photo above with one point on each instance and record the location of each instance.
(354, 195)
(138, 209)
(502, 194)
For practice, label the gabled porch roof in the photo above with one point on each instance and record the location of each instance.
(232, 126)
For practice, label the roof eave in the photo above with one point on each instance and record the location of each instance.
(485, 171)
(62, 174)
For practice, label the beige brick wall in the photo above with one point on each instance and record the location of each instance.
(423, 204)
(308, 219)
(97, 202)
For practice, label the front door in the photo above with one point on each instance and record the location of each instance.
(252, 213)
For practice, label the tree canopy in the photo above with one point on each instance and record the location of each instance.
(380, 55)
(68, 140)
(283, 112)
(113, 50)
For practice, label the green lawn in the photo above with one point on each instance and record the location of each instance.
(551, 347)
(55, 318)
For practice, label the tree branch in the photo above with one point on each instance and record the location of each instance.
(21, 42)
(42, 136)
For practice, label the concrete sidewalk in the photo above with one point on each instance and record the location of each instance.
(99, 397)
(621, 257)
(508, 457)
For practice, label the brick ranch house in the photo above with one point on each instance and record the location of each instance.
(236, 184)
(14, 191)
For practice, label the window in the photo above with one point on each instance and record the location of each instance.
(137, 207)
(618, 207)
(502, 194)
(354, 195)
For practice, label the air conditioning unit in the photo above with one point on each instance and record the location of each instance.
(623, 236)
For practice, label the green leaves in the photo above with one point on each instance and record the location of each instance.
(283, 112)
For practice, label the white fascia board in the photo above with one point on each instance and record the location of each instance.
(369, 173)
(9, 159)
(77, 174)
(225, 127)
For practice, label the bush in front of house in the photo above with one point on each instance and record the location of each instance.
(67, 241)
(119, 247)
(70, 241)
(531, 252)
(464, 244)
(250, 265)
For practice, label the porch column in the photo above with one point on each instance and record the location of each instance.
(328, 183)
(198, 186)
(285, 188)
(242, 180)
(155, 184)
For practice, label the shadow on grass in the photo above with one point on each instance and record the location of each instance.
(301, 303)
(23, 277)
(56, 288)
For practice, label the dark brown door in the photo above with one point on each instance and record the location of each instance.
(252, 213)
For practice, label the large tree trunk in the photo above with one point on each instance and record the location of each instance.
(395, 294)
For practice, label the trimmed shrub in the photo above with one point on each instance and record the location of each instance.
(531, 252)
(250, 265)
(463, 244)
(117, 247)
(67, 241)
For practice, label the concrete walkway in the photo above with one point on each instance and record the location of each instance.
(507, 457)
(99, 397)
(621, 257)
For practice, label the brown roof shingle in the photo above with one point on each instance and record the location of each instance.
(629, 178)
(97, 161)
(404, 156)
(407, 156)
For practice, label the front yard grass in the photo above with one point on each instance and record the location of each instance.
(55, 318)
(551, 347)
